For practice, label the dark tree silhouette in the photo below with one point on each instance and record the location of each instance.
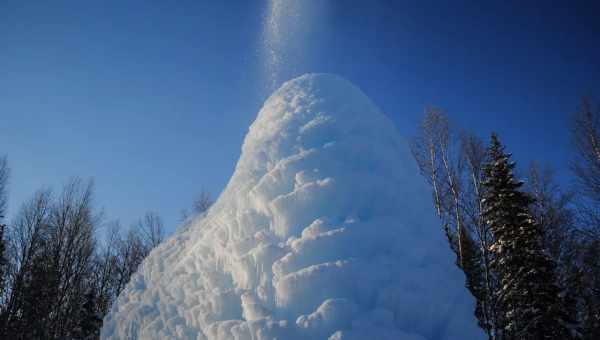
(529, 295)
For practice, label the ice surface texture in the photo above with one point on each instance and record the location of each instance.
(325, 231)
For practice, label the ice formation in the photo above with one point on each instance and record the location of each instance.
(323, 232)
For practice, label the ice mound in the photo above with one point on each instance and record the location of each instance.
(323, 232)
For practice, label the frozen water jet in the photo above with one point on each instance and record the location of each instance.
(323, 232)
(288, 28)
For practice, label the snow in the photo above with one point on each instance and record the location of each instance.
(325, 231)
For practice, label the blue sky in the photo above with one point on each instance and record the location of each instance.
(152, 99)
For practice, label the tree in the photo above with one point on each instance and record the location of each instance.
(551, 208)
(40, 290)
(199, 206)
(104, 269)
(3, 263)
(589, 285)
(28, 235)
(586, 168)
(56, 280)
(73, 222)
(202, 203)
(530, 298)
(452, 165)
(151, 231)
(52, 243)
(434, 151)
(90, 320)
(475, 156)
(4, 172)
(475, 280)
(122, 254)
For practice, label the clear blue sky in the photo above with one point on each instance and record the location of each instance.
(152, 99)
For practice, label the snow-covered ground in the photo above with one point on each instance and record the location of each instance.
(325, 230)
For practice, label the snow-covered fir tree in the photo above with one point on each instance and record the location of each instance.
(529, 296)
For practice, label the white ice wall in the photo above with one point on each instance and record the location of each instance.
(325, 230)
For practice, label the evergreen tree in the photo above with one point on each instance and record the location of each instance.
(4, 172)
(589, 290)
(474, 275)
(38, 305)
(3, 260)
(530, 299)
(90, 321)
(3, 281)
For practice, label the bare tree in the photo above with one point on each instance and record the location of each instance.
(475, 156)
(452, 164)
(552, 210)
(435, 151)
(4, 172)
(27, 234)
(131, 251)
(586, 132)
(586, 168)
(52, 243)
(60, 281)
(203, 202)
(200, 205)
(104, 269)
(151, 230)
(73, 223)
(124, 253)
(586, 165)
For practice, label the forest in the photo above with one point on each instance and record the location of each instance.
(529, 246)
(62, 265)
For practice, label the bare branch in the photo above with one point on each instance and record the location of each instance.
(151, 230)
(4, 173)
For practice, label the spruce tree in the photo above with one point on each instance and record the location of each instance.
(3, 260)
(3, 275)
(38, 300)
(589, 290)
(90, 321)
(529, 296)
(475, 282)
